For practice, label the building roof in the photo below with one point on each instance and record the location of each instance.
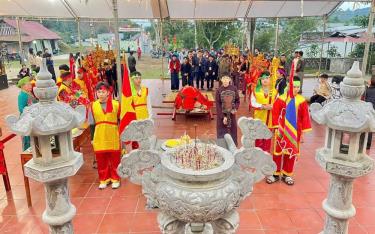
(30, 31)
(168, 9)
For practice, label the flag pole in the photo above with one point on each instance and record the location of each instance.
(118, 48)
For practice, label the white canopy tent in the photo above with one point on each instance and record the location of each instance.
(171, 9)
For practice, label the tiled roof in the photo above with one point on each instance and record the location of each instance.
(30, 30)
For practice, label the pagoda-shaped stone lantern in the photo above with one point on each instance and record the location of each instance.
(348, 121)
(49, 124)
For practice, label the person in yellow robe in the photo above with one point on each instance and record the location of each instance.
(141, 100)
(69, 93)
(105, 114)
(262, 99)
(79, 83)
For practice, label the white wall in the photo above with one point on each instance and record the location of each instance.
(340, 48)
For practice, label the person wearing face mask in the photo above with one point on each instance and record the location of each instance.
(227, 104)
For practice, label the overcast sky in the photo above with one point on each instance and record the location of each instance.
(350, 5)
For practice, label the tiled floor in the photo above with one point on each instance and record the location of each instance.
(273, 208)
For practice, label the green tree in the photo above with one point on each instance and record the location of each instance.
(102, 29)
(264, 39)
(215, 34)
(334, 19)
(313, 51)
(361, 20)
(69, 32)
(333, 52)
(359, 50)
(292, 30)
(183, 31)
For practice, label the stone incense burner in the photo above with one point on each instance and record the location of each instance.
(197, 187)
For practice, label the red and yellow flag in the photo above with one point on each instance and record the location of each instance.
(127, 110)
(290, 129)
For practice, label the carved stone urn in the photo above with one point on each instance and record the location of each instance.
(49, 124)
(348, 121)
(197, 187)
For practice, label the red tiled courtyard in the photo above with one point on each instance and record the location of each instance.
(271, 208)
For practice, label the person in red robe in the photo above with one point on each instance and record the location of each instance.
(92, 72)
(70, 93)
(72, 65)
(89, 91)
(139, 53)
(190, 98)
(283, 157)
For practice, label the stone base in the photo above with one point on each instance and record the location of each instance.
(194, 228)
(226, 225)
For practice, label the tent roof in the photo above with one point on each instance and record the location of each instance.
(172, 9)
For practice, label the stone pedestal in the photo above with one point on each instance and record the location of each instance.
(348, 121)
(338, 205)
(59, 212)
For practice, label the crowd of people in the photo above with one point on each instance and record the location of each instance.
(271, 85)
(85, 81)
(264, 81)
(207, 66)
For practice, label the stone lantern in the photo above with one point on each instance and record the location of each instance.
(348, 121)
(49, 124)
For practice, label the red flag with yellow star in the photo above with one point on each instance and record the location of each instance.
(127, 110)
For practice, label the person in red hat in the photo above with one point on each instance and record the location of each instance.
(63, 68)
(105, 115)
(79, 83)
(70, 93)
(65, 92)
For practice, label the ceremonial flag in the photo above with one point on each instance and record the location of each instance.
(127, 110)
(289, 133)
